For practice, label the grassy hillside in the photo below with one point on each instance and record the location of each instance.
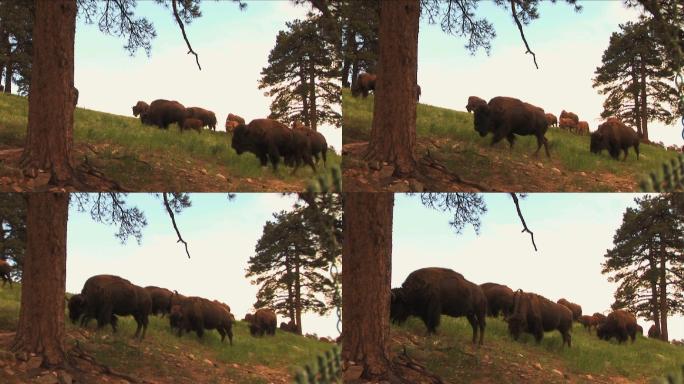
(162, 357)
(503, 360)
(144, 158)
(451, 139)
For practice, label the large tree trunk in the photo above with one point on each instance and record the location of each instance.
(313, 114)
(663, 296)
(304, 94)
(298, 296)
(655, 308)
(393, 136)
(644, 95)
(8, 64)
(49, 138)
(41, 318)
(366, 278)
(635, 95)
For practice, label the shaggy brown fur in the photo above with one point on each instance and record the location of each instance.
(536, 314)
(264, 321)
(619, 324)
(615, 137)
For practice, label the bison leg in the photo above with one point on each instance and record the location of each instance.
(229, 332)
(567, 338)
(624, 158)
(309, 161)
(222, 333)
(511, 140)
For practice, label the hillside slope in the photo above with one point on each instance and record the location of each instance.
(162, 357)
(144, 158)
(503, 360)
(450, 149)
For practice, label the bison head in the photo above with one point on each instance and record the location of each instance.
(241, 140)
(516, 325)
(176, 316)
(399, 308)
(602, 332)
(596, 142)
(139, 108)
(76, 307)
(483, 120)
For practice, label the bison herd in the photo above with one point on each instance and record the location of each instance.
(506, 117)
(268, 139)
(429, 293)
(104, 297)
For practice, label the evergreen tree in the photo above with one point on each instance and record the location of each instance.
(16, 43)
(359, 24)
(13, 231)
(291, 263)
(302, 75)
(647, 259)
(636, 79)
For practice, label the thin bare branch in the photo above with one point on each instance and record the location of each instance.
(185, 37)
(173, 221)
(522, 219)
(522, 34)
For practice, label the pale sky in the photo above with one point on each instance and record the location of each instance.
(572, 232)
(221, 234)
(568, 46)
(233, 47)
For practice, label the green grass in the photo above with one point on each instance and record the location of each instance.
(451, 354)
(283, 352)
(123, 141)
(569, 152)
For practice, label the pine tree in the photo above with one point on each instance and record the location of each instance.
(302, 75)
(636, 79)
(16, 24)
(648, 259)
(13, 231)
(359, 24)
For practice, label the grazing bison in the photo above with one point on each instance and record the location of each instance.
(365, 82)
(619, 324)
(289, 327)
(105, 296)
(600, 318)
(430, 292)
(5, 273)
(569, 115)
(588, 322)
(319, 146)
(566, 123)
(615, 137)
(654, 332)
(192, 123)
(418, 92)
(536, 314)
(75, 95)
(474, 102)
(161, 300)
(499, 299)
(576, 309)
(140, 109)
(269, 140)
(198, 314)
(162, 113)
(264, 321)
(551, 119)
(207, 117)
(582, 128)
(506, 117)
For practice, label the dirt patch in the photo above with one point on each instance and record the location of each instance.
(443, 165)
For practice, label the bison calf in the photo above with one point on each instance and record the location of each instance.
(431, 292)
(192, 123)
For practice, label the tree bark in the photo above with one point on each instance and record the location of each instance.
(49, 138)
(653, 276)
(366, 279)
(635, 94)
(393, 135)
(313, 114)
(644, 95)
(305, 96)
(8, 64)
(298, 295)
(663, 296)
(41, 318)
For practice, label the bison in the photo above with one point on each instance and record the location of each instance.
(615, 137)
(5, 272)
(207, 117)
(569, 115)
(140, 109)
(192, 123)
(269, 140)
(536, 314)
(289, 327)
(619, 324)
(551, 119)
(430, 292)
(319, 146)
(163, 113)
(506, 117)
(198, 314)
(418, 92)
(474, 102)
(264, 321)
(499, 299)
(576, 309)
(161, 300)
(654, 332)
(588, 322)
(566, 123)
(75, 90)
(600, 318)
(365, 82)
(582, 128)
(105, 296)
